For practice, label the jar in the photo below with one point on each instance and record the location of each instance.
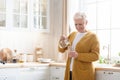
(29, 57)
(22, 58)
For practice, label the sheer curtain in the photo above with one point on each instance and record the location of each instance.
(64, 18)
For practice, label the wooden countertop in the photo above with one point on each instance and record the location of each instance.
(106, 67)
(32, 64)
(20, 65)
(36, 64)
(58, 64)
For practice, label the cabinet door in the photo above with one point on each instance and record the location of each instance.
(2, 13)
(57, 73)
(26, 74)
(33, 73)
(24, 15)
(20, 13)
(40, 17)
(8, 74)
(107, 75)
(43, 73)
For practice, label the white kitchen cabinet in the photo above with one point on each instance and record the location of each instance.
(24, 15)
(20, 13)
(2, 13)
(33, 73)
(107, 75)
(29, 73)
(8, 73)
(57, 72)
(40, 14)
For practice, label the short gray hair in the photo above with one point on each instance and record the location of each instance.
(80, 15)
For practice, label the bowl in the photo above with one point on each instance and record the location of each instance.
(44, 60)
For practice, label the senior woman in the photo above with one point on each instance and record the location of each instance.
(84, 50)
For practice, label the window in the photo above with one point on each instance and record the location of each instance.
(103, 19)
(107, 25)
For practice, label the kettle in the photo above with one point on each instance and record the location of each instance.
(6, 55)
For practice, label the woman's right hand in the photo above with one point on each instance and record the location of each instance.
(63, 42)
(63, 37)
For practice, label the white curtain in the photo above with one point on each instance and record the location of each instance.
(64, 18)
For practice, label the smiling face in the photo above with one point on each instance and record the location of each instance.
(80, 24)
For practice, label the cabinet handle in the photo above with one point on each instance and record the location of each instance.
(110, 73)
(57, 68)
(5, 78)
(57, 77)
(104, 72)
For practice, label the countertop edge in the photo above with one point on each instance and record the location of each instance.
(37, 64)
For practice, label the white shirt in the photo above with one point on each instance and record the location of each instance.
(76, 40)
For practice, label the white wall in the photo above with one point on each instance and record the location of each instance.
(25, 42)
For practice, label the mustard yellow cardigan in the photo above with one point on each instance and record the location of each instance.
(88, 52)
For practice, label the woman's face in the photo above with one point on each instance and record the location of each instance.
(80, 25)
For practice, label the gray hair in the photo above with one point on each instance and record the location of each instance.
(80, 15)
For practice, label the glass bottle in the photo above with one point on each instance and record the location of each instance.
(64, 43)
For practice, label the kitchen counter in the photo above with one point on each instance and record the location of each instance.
(97, 66)
(30, 64)
(36, 64)
(18, 65)
(58, 64)
(106, 67)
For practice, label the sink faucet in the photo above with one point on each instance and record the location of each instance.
(108, 59)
